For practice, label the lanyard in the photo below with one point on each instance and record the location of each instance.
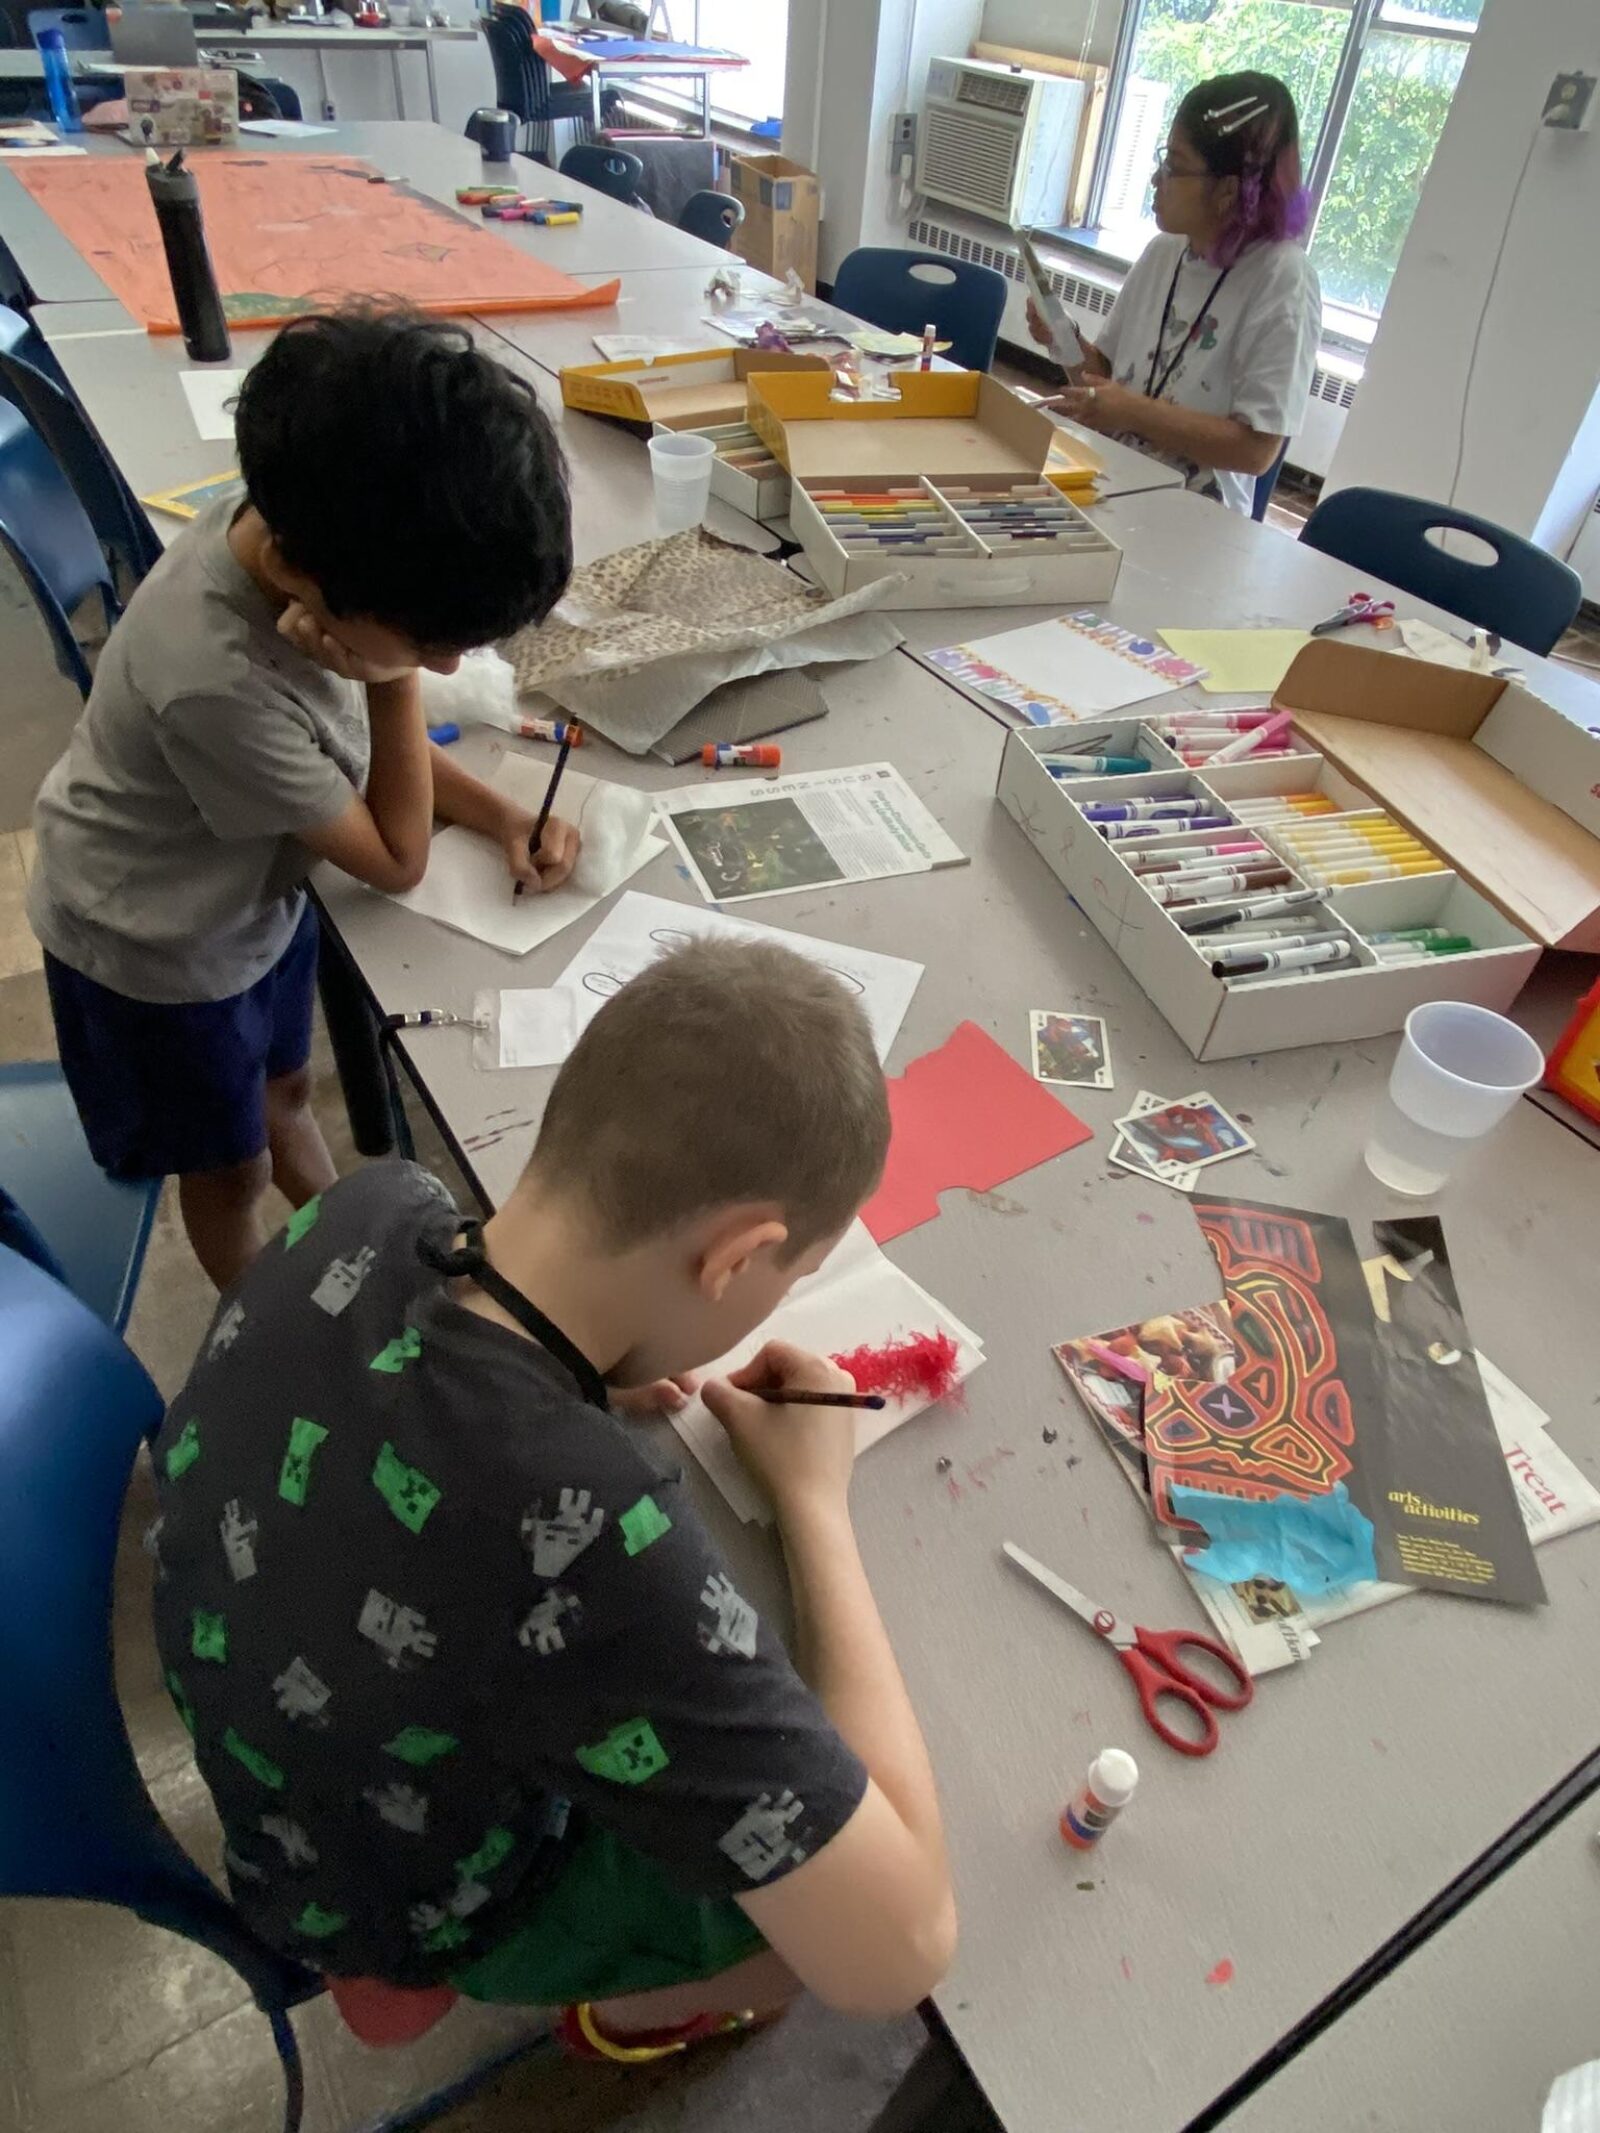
(471, 1260)
(1154, 387)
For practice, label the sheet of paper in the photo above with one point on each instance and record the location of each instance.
(57, 148)
(641, 928)
(642, 347)
(857, 1297)
(1245, 662)
(210, 394)
(468, 889)
(284, 129)
(776, 836)
(966, 1116)
(526, 1028)
(1070, 668)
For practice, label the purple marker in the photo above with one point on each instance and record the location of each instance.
(1143, 810)
(1117, 832)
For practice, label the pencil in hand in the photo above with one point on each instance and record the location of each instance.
(537, 837)
(788, 1396)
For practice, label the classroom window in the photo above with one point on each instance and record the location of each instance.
(1373, 87)
(757, 28)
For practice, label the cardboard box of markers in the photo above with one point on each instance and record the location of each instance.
(706, 391)
(1498, 788)
(945, 485)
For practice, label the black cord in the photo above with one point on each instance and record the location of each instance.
(1483, 315)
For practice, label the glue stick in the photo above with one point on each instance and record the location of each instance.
(1099, 1799)
(746, 755)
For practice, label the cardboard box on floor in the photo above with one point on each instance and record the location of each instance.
(1498, 783)
(954, 426)
(782, 204)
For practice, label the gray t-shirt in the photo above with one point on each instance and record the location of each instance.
(170, 866)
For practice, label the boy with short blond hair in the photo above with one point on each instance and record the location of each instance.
(477, 1698)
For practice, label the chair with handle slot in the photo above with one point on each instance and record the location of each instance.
(713, 217)
(48, 536)
(606, 169)
(1523, 593)
(901, 292)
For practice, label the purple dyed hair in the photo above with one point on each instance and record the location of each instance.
(1245, 126)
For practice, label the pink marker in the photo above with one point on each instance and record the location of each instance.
(1258, 737)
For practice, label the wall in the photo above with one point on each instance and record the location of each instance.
(873, 59)
(1064, 27)
(1526, 458)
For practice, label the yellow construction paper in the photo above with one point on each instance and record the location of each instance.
(1239, 662)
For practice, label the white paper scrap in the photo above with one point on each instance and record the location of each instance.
(526, 1028)
(210, 394)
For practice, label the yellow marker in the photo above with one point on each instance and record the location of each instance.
(1354, 876)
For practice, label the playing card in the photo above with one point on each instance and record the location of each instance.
(1071, 1050)
(1187, 1135)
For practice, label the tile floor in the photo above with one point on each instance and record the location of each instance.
(111, 2026)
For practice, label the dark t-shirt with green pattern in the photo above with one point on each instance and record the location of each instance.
(424, 1609)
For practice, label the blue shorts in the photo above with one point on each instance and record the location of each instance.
(173, 1089)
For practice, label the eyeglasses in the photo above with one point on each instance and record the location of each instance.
(1166, 168)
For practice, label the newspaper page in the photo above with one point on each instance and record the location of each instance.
(778, 835)
(1270, 1627)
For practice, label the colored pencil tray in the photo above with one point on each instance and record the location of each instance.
(1363, 998)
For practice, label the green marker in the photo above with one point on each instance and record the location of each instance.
(1410, 933)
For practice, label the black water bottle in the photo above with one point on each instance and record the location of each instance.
(194, 285)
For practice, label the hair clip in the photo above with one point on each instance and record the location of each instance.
(1258, 108)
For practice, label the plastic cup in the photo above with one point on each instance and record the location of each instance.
(1457, 1073)
(680, 467)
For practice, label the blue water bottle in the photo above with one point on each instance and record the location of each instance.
(58, 81)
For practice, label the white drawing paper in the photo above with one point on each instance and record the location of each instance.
(525, 1028)
(210, 394)
(641, 928)
(856, 1297)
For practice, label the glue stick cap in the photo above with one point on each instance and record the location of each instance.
(1113, 1776)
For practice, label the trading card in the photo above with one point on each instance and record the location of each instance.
(1187, 1135)
(1071, 1050)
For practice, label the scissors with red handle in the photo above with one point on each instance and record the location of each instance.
(1361, 607)
(1155, 1659)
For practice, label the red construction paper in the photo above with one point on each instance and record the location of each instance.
(967, 1116)
(295, 233)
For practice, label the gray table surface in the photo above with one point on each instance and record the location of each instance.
(1341, 1802)
(611, 237)
(1472, 2030)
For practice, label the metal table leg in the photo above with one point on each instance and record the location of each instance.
(433, 80)
(322, 82)
(936, 2095)
(353, 1034)
(399, 82)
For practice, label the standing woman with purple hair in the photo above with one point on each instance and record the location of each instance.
(1207, 356)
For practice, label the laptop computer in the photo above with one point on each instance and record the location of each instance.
(155, 35)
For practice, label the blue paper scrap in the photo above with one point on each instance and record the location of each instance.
(1316, 1544)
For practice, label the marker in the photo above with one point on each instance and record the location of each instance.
(1107, 765)
(752, 755)
(1241, 947)
(560, 730)
(1126, 832)
(1235, 721)
(1256, 737)
(1142, 810)
(1418, 951)
(1410, 933)
(930, 339)
(434, 1018)
(1254, 907)
(1147, 856)
(1202, 888)
(1274, 959)
(1355, 877)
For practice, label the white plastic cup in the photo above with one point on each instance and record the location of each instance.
(680, 467)
(1457, 1073)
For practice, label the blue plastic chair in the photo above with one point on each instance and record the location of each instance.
(75, 1819)
(713, 217)
(38, 389)
(1526, 594)
(46, 532)
(902, 292)
(83, 29)
(95, 1227)
(608, 170)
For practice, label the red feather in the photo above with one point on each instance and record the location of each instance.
(923, 1367)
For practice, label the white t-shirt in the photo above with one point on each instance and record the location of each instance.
(1252, 357)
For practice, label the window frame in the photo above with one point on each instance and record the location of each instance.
(1366, 18)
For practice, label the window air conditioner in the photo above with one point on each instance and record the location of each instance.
(998, 140)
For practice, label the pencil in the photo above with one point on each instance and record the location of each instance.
(537, 837)
(782, 1397)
